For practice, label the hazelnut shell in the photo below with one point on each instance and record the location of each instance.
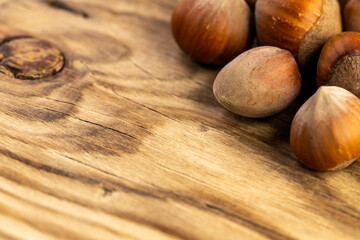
(339, 62)
(352, 16)
(212, 31)
(259, 82)
(300, 26)
(325, 133)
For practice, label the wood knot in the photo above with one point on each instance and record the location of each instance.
(30, 58)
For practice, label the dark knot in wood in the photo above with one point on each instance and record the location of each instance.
(30, 58)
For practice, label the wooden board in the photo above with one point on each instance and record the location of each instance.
(128, 141)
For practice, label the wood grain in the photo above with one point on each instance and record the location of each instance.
(128, 141)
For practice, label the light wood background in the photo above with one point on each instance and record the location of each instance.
(128, 141)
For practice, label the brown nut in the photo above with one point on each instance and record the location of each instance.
(212, 31)
(352, 16)
(325, 133)
(259, 82)
(300, 26)
(339, 62)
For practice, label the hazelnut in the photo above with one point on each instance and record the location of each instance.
(339, 62)
(212, 31)
(352, 16)
(259, 82)
(300, 26)
(325, 133)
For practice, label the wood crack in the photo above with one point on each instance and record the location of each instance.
(93, 123)
(102, 114)
(57, 4)
(149, 108)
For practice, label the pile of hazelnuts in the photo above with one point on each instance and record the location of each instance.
(292, 36)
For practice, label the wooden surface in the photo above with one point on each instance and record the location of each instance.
(128, 141)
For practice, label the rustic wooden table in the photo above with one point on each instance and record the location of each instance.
(128, 141)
